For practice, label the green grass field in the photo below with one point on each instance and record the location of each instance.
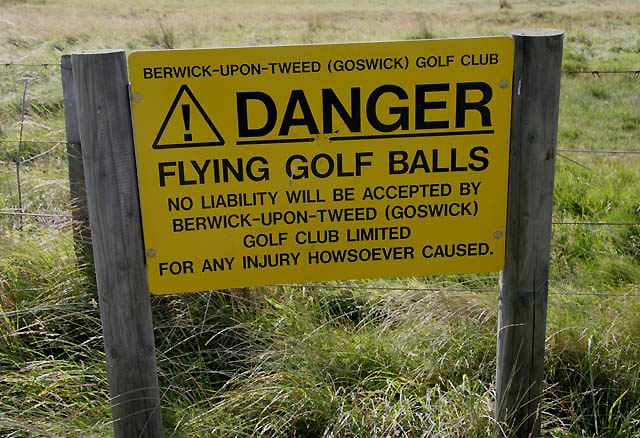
(376, 358)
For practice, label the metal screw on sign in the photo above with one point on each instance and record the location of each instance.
(504, 83)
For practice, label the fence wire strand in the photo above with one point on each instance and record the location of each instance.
(594, 72)
(6, 140)
(450, 289)
(597, 73)
(24, 98)
(40, 154)
(18, 213)
(575, 162)
(44, 65)
(598, 223)
(604, 151)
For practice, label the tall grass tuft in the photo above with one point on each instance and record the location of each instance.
(422, 33)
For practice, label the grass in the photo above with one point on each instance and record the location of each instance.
(349, 359)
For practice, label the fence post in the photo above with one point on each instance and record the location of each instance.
(522, 307)
(77, 189)
(101, 88)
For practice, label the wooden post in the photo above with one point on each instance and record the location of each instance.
(522, 311)
(77, 189)
(101, 88)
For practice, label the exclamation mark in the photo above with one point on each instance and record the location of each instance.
(186, 117)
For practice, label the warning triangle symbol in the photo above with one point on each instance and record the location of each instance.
(187, 124)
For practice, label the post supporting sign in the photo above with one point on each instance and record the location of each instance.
(522, 311)
(288, 164)
(104, 119)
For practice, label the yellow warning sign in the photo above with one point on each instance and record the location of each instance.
(266, 165)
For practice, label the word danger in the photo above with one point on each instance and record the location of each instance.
(375, 109)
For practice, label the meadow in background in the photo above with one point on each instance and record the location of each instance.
(394, 357)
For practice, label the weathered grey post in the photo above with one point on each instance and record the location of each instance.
(77, 190)
(522, 310)
(101, 83)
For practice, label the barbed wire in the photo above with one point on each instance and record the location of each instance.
(451, 289)
(597, 73)
(40, 154)
(593, 72)
(26, 160)
(598, 223)
(18, 160)
(600, 151)
(19, 213)
(598, 294)
(385, 288)
(575, 162)
(59, 142)
(586, 151)
(7, 140)
(19, 64)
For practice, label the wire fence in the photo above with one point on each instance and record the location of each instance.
(450, 289)
(595, 73)
(53, 145)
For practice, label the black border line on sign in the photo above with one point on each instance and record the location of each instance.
(368, 137)
(282, 140)
(184, 88)
(416, 134)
